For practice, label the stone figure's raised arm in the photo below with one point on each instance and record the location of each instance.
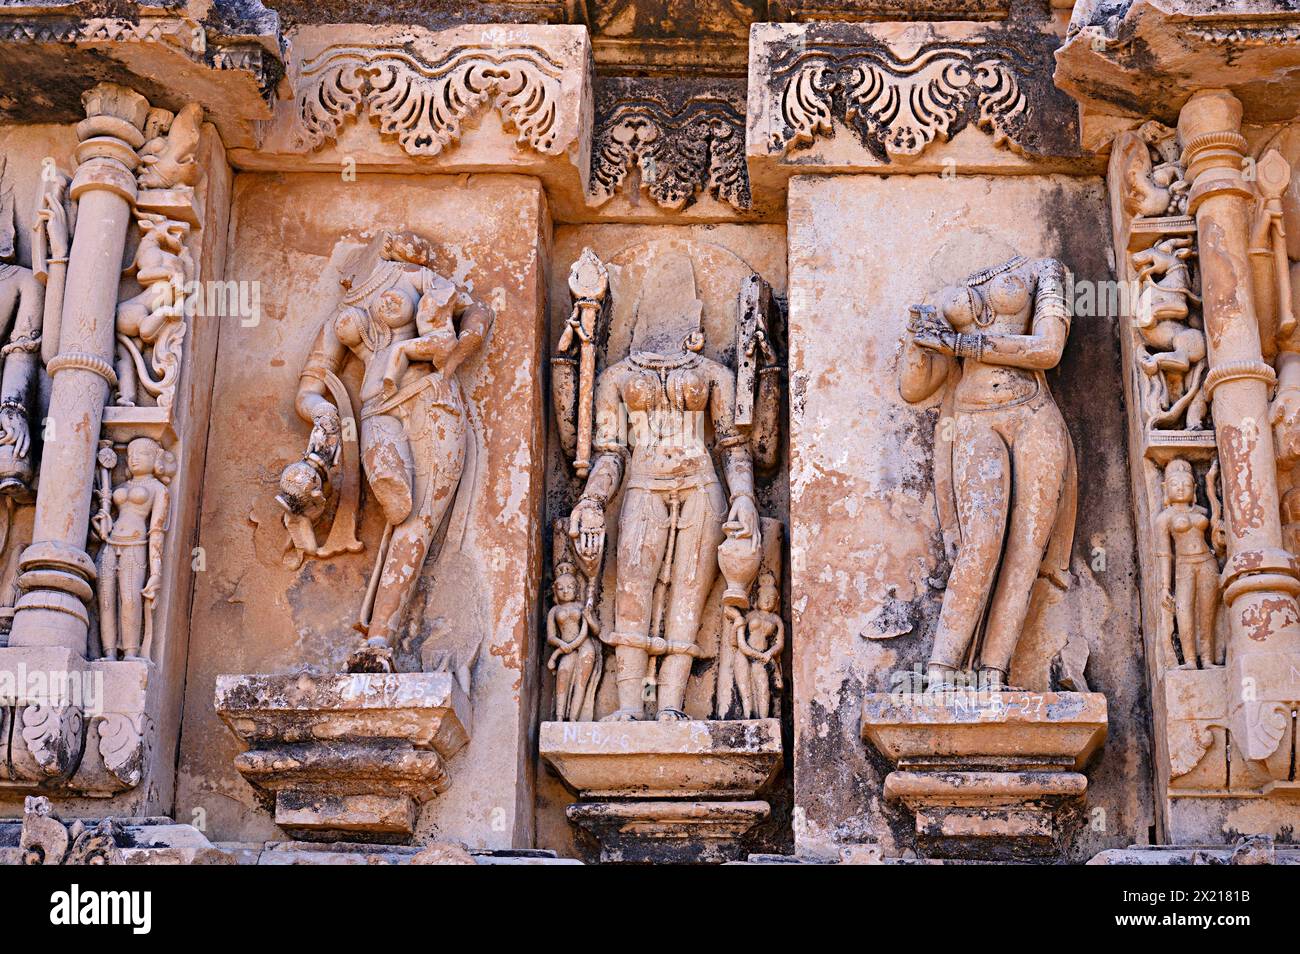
(921, 370)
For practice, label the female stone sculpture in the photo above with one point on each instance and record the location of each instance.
(760, 637)
(571, 627)
(1189, 571)
(131, 522)
(396, 315)
(1005, 481)
(674, 507)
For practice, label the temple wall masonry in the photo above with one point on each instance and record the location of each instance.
(634, 433)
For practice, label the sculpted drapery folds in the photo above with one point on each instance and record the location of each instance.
(412, 329)
(653, 413)
(1005, 480)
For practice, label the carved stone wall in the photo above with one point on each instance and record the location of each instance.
(478, 598)
(532, 431)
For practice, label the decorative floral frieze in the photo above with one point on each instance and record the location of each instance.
(898, 106)
(683, 141)
(423, 103)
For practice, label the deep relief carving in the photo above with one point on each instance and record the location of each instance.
(677, 529)
(987, 345)
(899, 106)
(1169, 340)
(423, 104)
(408, 428)
(682, 138)
(659, 636)
(987, 769)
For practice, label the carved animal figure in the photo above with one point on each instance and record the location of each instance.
(1177, 349)
(168, 161)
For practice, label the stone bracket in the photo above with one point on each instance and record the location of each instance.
(347, 753)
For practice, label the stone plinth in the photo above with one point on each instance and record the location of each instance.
(668, 831)
(986, 774)
(665, 791)
(346, 753)
(664, 759)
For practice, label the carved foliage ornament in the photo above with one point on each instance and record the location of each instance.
(898, 107)
(682, 152)
(424, 103)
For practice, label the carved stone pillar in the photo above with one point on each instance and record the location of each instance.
(1259, 578)
(57, 571)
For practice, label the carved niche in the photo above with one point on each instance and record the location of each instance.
(379, 734)
(986, 766)
(658, 632)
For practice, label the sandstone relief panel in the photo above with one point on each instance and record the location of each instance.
(107, 328)
(385, 522)
(877, 563)
(668, 546)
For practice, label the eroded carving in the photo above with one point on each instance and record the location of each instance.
(411, 328)
(649, 442)
(1006, 481)
(899, 106)
(423, 103)
(131, 522)
(1189, 571)
(681, 140)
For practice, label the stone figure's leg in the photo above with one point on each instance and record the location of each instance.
(642, 537)
(695, 567)
(981, 482)
(437, 442)
(386, 457)
(131, 566)
(1185, 613)
(563, 687)
(1207, 602)
(1040, 459)
(414, 461)
(762, 690)
(741, 669)
(583, 670)
(108, 600)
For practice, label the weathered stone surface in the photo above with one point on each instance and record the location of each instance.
(866, 551)
(463, 100)
(225, 56)
(839, 345)
(480, 615)
(664, 759)
(1146, 57)
(912, 98)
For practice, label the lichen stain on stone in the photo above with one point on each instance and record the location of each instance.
(1237, 445)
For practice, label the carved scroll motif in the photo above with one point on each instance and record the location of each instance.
(898, 107)
(682, 152)
(424, 103)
